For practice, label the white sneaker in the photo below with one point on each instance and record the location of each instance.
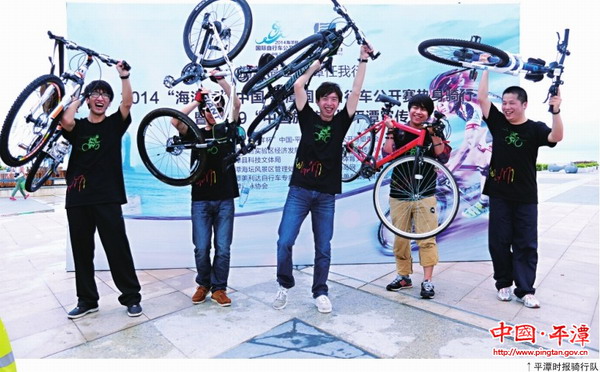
(323, 304)
(504, 294)
(281, 299)
(530, 301)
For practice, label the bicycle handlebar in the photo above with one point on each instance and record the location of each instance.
(91, 53)
(360, 36)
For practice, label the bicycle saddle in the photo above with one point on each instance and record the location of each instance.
(387, 99)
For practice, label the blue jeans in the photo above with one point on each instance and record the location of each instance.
(208, 216)
(321, 206)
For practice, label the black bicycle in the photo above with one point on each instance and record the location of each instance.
(277, 74)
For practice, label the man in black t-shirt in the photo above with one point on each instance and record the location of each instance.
(95, 193)
(420, 212)
(316, 179)
(212, 196)
(512, 188)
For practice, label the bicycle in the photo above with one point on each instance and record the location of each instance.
(472, 54)
(31, 128)
(406, 171)
(170, 157)
(291, 64)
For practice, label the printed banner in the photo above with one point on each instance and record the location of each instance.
(149, 37)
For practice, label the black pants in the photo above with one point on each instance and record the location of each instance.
(512, 239)
(108, 219)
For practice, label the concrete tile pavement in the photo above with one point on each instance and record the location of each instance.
(36, 293)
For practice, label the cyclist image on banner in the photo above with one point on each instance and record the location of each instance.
(316, 178)
(420, 211)
(213, 193)
(454, 93)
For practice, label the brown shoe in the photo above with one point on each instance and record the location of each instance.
(221, 298)
(200, 295)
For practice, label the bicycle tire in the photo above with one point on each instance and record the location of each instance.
(364, 145)
(446, 51)
(44, 163)
(298, 53)
(400, 172)
(165, 154)
(27, 127)
(237, 18)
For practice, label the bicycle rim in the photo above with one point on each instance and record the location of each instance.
(235, 20)
(167, 156)
(453, 52)
(27, 126)
(404, 189)
(290, 61)
(44, 166)
(363, 146)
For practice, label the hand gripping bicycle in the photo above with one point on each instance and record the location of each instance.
(406, 175)
(31, 127)
(291, 64)
(472, 54)
(209, 33)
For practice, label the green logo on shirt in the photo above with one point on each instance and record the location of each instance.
(93, 143)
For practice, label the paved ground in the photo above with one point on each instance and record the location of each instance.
(367, 321)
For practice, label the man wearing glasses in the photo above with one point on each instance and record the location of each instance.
(95, 193)
(212, 196)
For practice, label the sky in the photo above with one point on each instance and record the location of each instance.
(25, 51)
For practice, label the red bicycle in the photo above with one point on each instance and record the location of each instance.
(405, 175)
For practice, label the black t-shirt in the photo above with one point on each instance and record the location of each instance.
(400, 183)
(215, 182)
(318, 162)
(512, 173)
(95, 171)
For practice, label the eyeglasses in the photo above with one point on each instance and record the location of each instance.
(98, 94)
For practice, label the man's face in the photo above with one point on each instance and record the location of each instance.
(208, 117)
(512, 108)
(417, 115)
(328, 105)
(98, 102)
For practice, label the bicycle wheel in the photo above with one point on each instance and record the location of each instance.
(363, 146)
(405, 187)
(44, 166)
(286, 64)
(453, 52)
(27, 126)
(169, 157)
(233, 19)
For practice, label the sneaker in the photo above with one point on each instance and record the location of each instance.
(26, 196)
(200, 295)
(81, 311)
(427, 289)
(220, 297)
(401, 282)
(530, 301)
(134, 310)
(323, 304)
(504, 294)
(476, 210)
(281, 299)
(12, 198)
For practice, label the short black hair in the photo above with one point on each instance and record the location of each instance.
(98, 85)
(327, 88)
(423, 101)
(520, 92)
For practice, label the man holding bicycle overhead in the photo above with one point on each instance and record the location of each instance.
(512, 188)
(212, 197)
(316, 178)
(95, 193)
(420, 212)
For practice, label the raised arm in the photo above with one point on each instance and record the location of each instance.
(300, 95)
(187, 109)
(556, 135)
(126, 91)
(354, 96)
(483, 94)
(67, 120)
